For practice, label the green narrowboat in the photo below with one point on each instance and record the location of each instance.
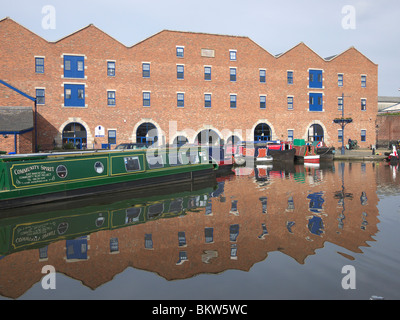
(38, 178)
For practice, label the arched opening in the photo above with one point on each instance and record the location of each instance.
(147, 133)
(180, 141)
(315, 133)
(74, 133)
(262, 132)
(208, 137)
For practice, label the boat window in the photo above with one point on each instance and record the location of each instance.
(155, 210)
(176, 206)
(132, 164)
(132, 214)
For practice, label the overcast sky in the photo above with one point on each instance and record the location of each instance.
(328, 27)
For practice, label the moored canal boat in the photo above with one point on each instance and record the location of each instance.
(38, 178)
(263, 151)
(305, 153)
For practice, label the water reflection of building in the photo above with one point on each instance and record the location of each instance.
(238, 227)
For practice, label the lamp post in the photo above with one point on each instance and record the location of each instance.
(343, 122)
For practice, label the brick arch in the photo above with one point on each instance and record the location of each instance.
(89, 136)
(326, 136)
(207, 127)
(160, 132)
(273, 132)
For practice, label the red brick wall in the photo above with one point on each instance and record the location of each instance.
(388, 129)
(18, 46)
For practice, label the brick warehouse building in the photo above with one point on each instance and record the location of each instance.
(92, 90)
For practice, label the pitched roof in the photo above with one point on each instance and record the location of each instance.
(16, 119)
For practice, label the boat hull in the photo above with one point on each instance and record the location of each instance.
(41, 179)
(282, 155)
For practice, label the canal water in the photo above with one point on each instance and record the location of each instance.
(270, 232)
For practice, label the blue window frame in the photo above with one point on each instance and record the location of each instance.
(363, 81)
(315, 79)
(340, 80)
(340, 103)
(112, 136)
(180, 52)
(74, 67)
(180, 99)
(262, 76)
(316, 102)
(146, 70)
(77, 248)
(232, 55)
(233, 101)
(207, 73)
(363, 104)
(180, 71)
(39, 65)
(74, 95)
(111, 68)
(290, 77)
(263, 102)
(146, 99)
(207, 100)
(290, 103)
(290, 133)
(232, 74)
(340, 135)
(111, 98)
(40, 96)
(363, 135)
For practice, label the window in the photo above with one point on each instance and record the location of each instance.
(146, 70)
(207, 100)
(315, 79)
(132, 164)
(363, 104)
(363, 135)
(316, 102)
(290, 103)
(232, 74)
(179, 52)
(74, 67)
(290, 77)
(74, 95)
(232, 55)
(262, 75)
(39, 65)
(340, 80)
(114, 245)
(363, 81)
(233, 101)
(180, 100)
(263, 102)
(111, 98)
(207, 73)
(290, 134)
(180, 71)
(40, 96)
(111, 68)
(146, 99)
(208, 234)
(340, 103)
(340, 135)
(112, 136)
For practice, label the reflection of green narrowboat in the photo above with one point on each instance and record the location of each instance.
(37, 178)
(40, 229)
